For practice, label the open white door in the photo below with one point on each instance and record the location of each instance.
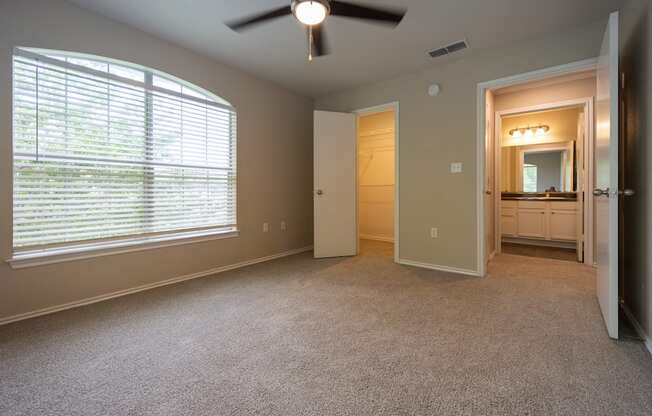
(335, 184)
(606, 171)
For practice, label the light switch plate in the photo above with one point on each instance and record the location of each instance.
(456, 167)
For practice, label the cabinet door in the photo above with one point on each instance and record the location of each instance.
(508, 225)
(532, 223)
(563, 225)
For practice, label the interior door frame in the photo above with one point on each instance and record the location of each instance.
(482, 87)
(587, 104)
(394, 105)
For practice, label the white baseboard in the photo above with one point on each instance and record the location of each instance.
(647, 340)
(438, 267)
(377, 238)
(100, 298)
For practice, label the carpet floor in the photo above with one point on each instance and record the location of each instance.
(350, 336)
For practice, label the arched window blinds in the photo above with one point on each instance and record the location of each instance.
(106, 150)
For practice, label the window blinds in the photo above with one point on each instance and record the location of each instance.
(104, 151)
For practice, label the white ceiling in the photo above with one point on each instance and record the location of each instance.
(360, 52)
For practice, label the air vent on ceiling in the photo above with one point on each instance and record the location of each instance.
(453, 47)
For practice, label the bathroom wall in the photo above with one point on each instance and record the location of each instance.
(562, 123)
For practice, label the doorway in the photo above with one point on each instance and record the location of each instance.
(606, 192)
(356, 181)
(544, 166)
(377, 179)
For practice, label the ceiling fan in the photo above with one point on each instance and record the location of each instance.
(312, 14)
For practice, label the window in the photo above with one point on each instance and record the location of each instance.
(109, 151)
(529, 178)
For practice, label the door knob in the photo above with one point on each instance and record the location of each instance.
(601, 192)
(626, 192)
(487, 192)
(319, 192)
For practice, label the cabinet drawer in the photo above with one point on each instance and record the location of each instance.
(563, 205)
(532, 204)
(508, 204)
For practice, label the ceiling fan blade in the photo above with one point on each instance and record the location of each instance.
(320, 46)
(251, 21)
(385, 16)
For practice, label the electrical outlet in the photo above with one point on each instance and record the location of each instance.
(456, 167)
(265, 227)
(283, 226)
(434, 232)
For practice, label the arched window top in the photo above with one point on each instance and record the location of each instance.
(123, 70)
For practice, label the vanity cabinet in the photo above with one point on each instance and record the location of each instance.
(531, 223)
(563, 225)
(544, 220)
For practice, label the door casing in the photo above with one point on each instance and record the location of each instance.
(566, 69)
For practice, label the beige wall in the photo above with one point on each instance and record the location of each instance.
(636, 59)
(435, 131)
(376, 176)
(562, 123)
(274, 160)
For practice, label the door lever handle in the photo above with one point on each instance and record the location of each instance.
(601, 192)
(626, 192)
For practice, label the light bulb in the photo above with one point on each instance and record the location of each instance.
(540, 132)
(516, 134)
(310, 12)
(528, 133)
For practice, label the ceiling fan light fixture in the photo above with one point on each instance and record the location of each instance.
(310, 12)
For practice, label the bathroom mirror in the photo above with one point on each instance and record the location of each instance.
(539, 168)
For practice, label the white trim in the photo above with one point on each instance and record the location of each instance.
(570, 68)
(376, 238)
(394, 105)
(149, 286)
(438, 267)
(647, 339)
(62, 254)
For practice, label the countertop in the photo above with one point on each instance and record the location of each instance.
(538, 196)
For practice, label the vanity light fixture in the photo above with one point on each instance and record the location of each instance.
(529, 131)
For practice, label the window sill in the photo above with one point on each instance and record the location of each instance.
(43, 257)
